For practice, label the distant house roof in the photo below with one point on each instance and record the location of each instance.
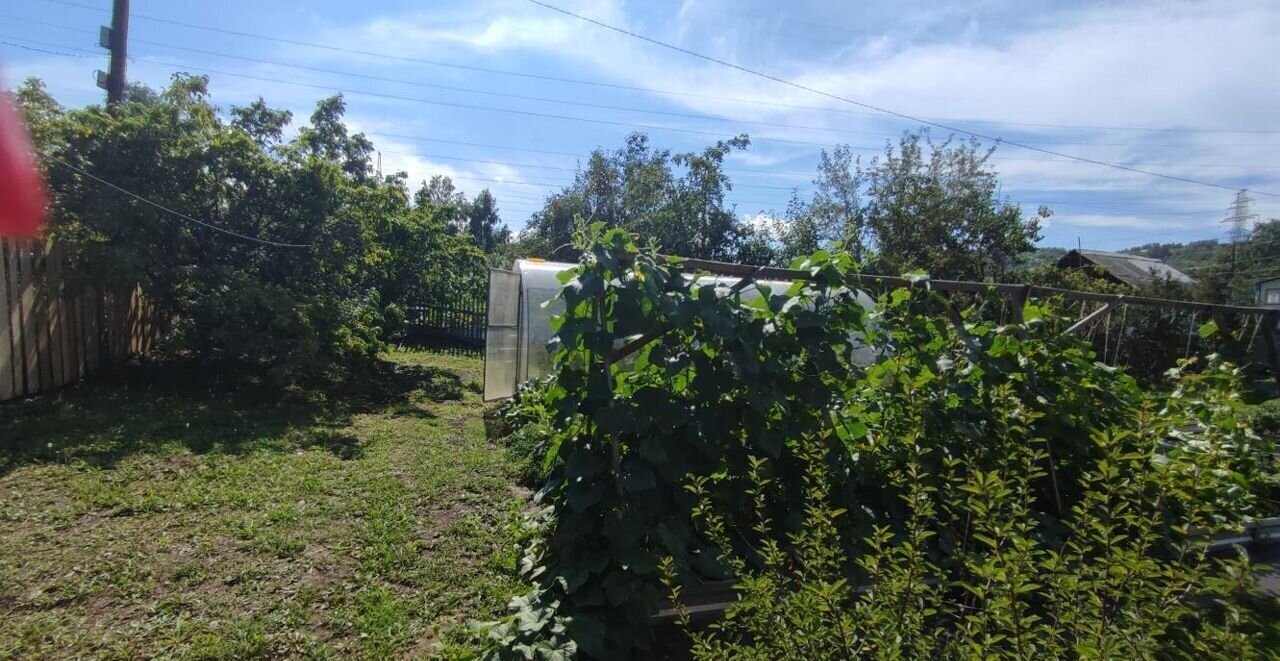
(1266, 281)
(1132, 270)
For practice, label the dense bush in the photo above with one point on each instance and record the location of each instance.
(970, 463)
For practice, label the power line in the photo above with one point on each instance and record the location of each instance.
(548, 167)
(861, 104)
(1057, 204)
(542, 99)
(177, 214)
(584, 104)
(576, 103)
(469, 106)
(649, 90)
(44, 50)
(471, 90)
(1078, 206)
(401, 136)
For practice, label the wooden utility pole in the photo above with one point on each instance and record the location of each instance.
(117, 42)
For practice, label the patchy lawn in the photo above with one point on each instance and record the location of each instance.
(141, 520)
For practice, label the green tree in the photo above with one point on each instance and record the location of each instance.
(482, 220)
(1234, 268)
(935, 206)
(837, 213)
(327, 138)
(264, 124)
(246, 307)
(677, 200)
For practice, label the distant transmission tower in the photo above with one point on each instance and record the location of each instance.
(1239, 217)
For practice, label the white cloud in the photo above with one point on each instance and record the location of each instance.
(1137, 64)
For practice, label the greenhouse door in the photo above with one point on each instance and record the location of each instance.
(502, 335)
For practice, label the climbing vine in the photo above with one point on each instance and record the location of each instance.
(676, 397)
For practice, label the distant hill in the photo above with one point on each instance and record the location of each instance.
(1182, 256)
(1041, 257)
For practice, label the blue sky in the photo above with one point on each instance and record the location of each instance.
(1186, 89)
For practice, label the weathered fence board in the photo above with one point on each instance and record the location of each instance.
(8, 313)
(53, 334)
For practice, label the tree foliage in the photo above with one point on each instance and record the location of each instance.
(922, 205)
(677, 200)
(292, 314)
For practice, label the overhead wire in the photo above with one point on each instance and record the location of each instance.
(738, 185)
(742, 185)
(469, 106)
(596, 83)
(884, 110)
(864, 148)
(543, 99)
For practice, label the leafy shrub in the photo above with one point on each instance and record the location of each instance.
(255, 330)
(960, 432)
(1127, 580)
(524, 425)
(1264, 418)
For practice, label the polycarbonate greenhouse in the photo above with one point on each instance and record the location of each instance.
(519, 325)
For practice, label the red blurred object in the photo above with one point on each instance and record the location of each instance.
(22, 192)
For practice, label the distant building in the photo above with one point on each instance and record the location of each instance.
(1122, 268)
(1267, 292)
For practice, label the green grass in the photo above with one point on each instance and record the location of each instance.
(154, 517)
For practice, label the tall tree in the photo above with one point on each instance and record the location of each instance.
(327, 137)
(935, 206)
(482, 219)
(836, 213)
(676, 200)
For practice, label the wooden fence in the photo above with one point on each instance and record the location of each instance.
(53, 334)
(460, 321)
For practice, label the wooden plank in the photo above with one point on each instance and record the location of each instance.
(8, 387)
(12, 280)
(1018, 303)
(57, 334)
(1089, 319)
(93, 315)
(77, 335)
(70, 329)
(84, 330)
(75, 340)
(30, 334)
(40, 313)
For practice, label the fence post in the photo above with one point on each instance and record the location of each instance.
(1269, 322)
(10, 385)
